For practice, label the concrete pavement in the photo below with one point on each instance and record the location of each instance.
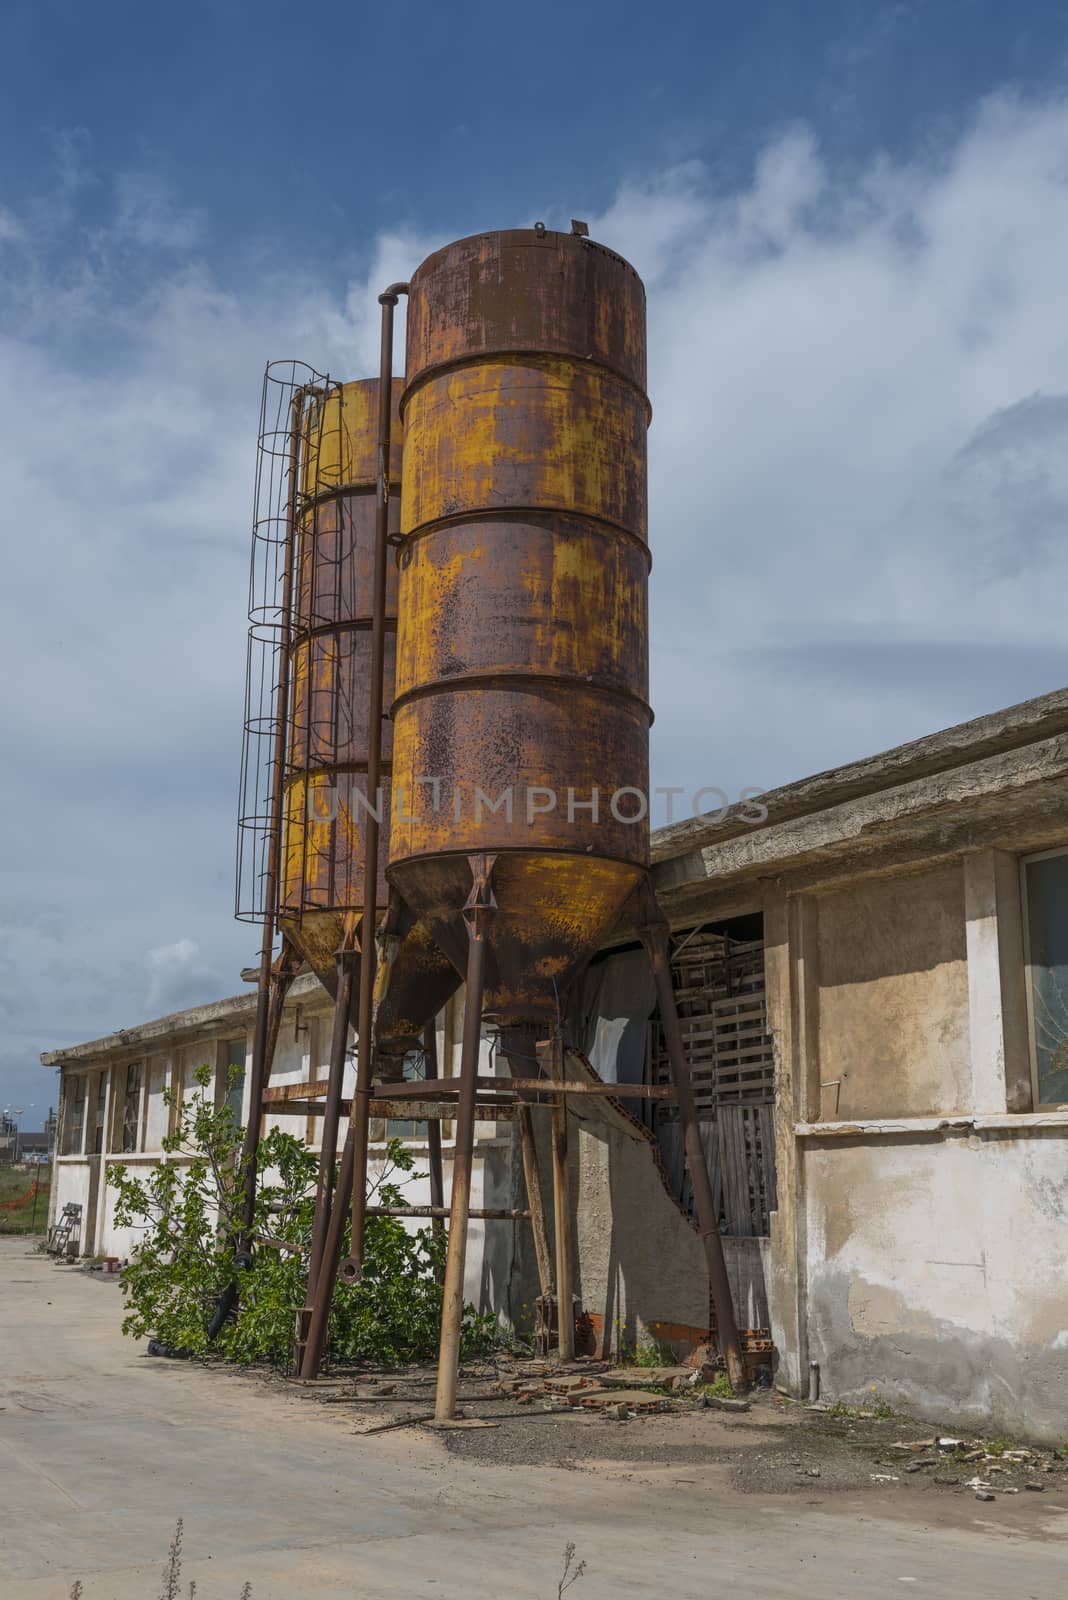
(102, 1449)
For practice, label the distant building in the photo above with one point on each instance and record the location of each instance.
(874, 989)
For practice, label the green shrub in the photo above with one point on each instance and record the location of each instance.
(189, 1211)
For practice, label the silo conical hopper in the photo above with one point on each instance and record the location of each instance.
(325, 783)
(522, 664)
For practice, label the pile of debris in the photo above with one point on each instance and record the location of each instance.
(986, 1467)
(615, 1392)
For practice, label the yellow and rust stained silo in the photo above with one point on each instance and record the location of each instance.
(321, 892)
(521, 717)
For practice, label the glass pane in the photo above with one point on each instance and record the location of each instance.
(131, 1111)
(405, 1128)
(1047, 930)
(235, 1058)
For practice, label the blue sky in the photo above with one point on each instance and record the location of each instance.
(852, 222)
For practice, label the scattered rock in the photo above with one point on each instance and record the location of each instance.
(947, 1483)
(984, 1494)
(949, 1444)
(617, 1413)
(1039, 1488)
(722, 1403)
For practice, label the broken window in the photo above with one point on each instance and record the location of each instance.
(74, 1120)
(234, 1088)
(101, 1111)
(1045, 886)
(131, 1109)
(405, 1127)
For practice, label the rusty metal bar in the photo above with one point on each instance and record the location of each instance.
(565, 1305)
(317, 1313)
(654, 935)
(532, 1176)
(433, 1135)
(331, 1113)
(261, 1054)
(360, 1115)
(447, 1088)
(409, 1110)
(438, 1212)
(480, 904)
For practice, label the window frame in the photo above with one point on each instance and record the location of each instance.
(125, 1120)
(226, 1095)
(1037, 1103)
(74, 1103)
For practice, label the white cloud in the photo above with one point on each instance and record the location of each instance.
(860, 386)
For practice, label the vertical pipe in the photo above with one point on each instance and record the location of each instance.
(318, 1322)
(565, 1302)
(655, 938)
(532, 1177)
(433, 1132)
(361, 1100)
(332, 1113)
(479, 904)
(260, 1038)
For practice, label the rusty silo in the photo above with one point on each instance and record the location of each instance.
(325, 808)
(522, 663)
(519, 825)
(310, 728)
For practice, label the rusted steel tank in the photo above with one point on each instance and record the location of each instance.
(522, 659)
(326, 771)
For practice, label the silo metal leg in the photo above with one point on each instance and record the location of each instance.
(654, 935)
(565, 1292)
(343, 1005)
(433, 1132)
(274, 986)
(480, 904)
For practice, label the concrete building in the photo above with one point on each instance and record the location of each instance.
(874, 986)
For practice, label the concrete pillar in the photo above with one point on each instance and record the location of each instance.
(786, 1285)
(997, 1003)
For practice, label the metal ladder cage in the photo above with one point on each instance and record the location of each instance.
(294, 396)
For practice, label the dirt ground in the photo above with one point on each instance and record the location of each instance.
(288, 1488)
(775, 1447)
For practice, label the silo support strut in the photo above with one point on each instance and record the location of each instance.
(477, 912)
(653, 929)
(274, 986)
(433, 1134)
(343, 1019)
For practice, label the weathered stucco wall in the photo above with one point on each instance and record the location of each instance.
(936, 1274)
(893, 996)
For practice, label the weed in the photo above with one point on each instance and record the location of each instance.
(651, 1353)
(571, 1573)
(997, 1447)
(189, 1219)
(720, 1388)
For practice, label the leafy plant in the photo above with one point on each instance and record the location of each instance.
(997, 1447)
(188, 1209)
(720, 1388)
(651, 1353)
